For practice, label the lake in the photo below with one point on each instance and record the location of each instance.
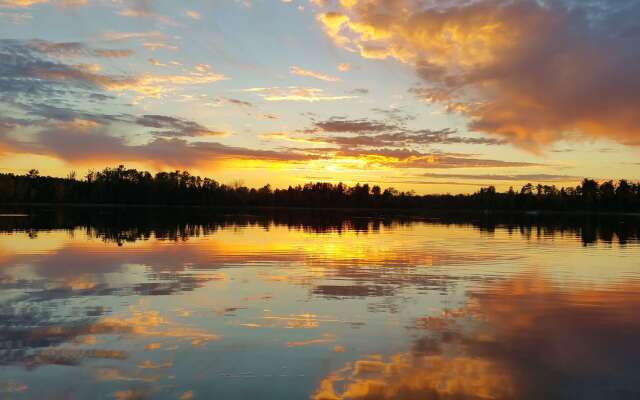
(185, 304)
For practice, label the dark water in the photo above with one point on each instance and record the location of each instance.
(177, 304)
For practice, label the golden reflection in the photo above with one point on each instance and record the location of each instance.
(131, 394)
(115, 374)
(153, 346)
(473, 315)
(188, 395)
(404, 376)
(152, 324)
(326, 338)
(146, 364)
(517, 338)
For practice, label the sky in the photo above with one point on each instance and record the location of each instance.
(436, 96)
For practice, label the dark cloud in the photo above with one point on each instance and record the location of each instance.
(165, 126)
(74, 49)
(390, 133)
(101, 97)
(397, 115)
(423, 137)
(237, 102)
(172, 126)
(360, 91)
(339, 125)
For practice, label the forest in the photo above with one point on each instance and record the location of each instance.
(123, 186)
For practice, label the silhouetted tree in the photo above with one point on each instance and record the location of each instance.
(129, 186)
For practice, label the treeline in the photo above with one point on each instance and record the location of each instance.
(130, 186)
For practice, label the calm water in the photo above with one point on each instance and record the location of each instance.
(163, 305)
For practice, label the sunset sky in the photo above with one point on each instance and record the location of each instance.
(431, 95)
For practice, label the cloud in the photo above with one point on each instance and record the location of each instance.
(81, 141)
(353, 126)
(75, 49)
(344, 67)
(151, 40)
(172, 126)
(360, 91)
(532, 72)
(153, 46)
(365, 153)
(295, 70)
(409, 158)
(236, 102)
(30, 3)
(193, 15)
(390, 133)
(295, 93)
(144, 9)
(109, 53)
(389, 144)
(515, 177)
(27, 69)
(122, 36)
(82, 137)
(422, 137)
(20, 3)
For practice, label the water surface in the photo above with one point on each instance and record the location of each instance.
(136, 304)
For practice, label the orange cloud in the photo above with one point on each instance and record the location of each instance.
(527, 71)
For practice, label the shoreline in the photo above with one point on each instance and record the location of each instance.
(348, 210)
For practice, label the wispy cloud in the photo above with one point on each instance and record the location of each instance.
(144, 9)
(505, 177)
(295, 70)
(75, 49)
(295, 93)
(121, 36)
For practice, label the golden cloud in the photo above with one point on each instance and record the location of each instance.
(528, 71)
